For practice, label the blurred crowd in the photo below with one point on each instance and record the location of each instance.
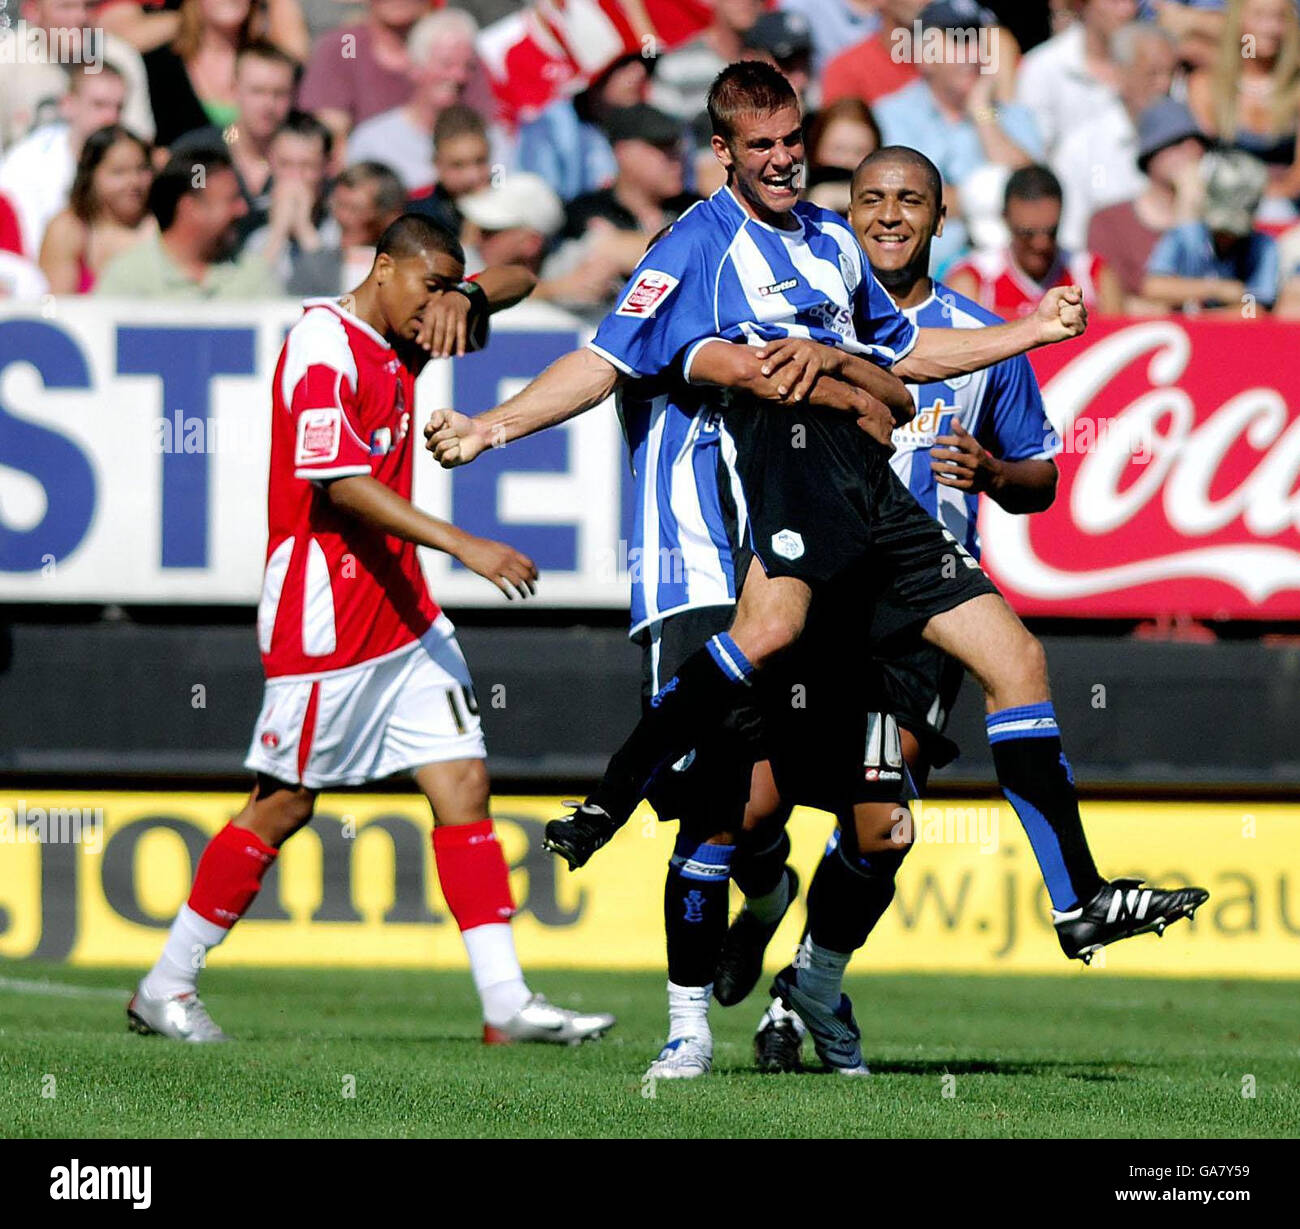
(1144, 149)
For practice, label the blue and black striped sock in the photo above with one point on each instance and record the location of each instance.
(687, 709)
(1037, 780)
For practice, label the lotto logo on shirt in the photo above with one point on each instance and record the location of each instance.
(649, 290)
(318, 436)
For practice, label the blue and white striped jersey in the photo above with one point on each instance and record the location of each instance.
(1000, 406)
(718, 273)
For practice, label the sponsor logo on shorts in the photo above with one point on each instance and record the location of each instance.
(778, 287)
(319, 432)
(649, 290)
(270, 739)
(882, 774)
(787, 544)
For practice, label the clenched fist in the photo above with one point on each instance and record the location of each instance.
(454, 439)
(1061, 315)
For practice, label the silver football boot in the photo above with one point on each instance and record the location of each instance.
(538, 1020)
(182, 1017)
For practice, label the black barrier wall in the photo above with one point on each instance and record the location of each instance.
(106, 697)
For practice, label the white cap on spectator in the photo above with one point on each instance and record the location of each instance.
(520, 199)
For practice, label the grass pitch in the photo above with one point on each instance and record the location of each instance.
(1079, 1055)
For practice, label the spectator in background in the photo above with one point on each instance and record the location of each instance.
(366, 199)
(1074, 75)
(1170, 148)
(683, 76)
(1195, 26)
(566, 144)
(37, 173)
(830, 187)
(263, 95)
(192, 254)
(300, 240)
(1097, 162)
(1252, 101)
(951, 115)
(440, 48)
(147, 24)
(1219, 260)
(1012, 281)
(871, 69)
(840, 135)
(462, 163)
(647, 193)
(192, 78)
(30, 87)
(513, 223)
(362, 70)
(107, 213)
(835, 25)
(785, 41)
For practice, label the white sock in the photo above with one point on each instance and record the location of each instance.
(772, 906)
(183, 955)
(688, 1012)
(497, 976)
(821, 973)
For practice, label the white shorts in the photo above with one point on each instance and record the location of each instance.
(412, 707)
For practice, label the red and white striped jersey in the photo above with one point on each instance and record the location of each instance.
(1005, 288)
(336, 592)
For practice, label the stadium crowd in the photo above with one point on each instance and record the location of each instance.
(1143, 149)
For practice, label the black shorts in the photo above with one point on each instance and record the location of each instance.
(825, 506)
(817, 713)
(921, 684)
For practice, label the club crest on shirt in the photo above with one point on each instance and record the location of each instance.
(319, 432)
(646, 293)
(381, 442)
(849, 272)
(787, 543)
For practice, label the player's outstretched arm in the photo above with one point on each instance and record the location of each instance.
(959, 460)
(568, 387)
(376, 505)
(729, 364)
(942, 353)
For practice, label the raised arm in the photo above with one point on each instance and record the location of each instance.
(568, 387)
(940, 354)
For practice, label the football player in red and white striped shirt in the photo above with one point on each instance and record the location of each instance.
(1012, 281)
(364, 675)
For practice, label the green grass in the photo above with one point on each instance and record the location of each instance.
(1087, 1055)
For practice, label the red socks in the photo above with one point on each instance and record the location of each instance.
(472, 872)
(230, 875)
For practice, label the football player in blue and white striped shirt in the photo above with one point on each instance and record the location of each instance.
(753, 264)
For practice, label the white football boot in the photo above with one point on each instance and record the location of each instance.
(683, 1058)
(182, 1017)
(538, 1020)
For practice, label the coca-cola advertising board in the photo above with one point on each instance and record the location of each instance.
(1180, 453)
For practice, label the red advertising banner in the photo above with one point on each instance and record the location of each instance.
(1180, 454)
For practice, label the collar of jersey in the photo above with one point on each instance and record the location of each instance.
(355, 321)
(745, 215)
